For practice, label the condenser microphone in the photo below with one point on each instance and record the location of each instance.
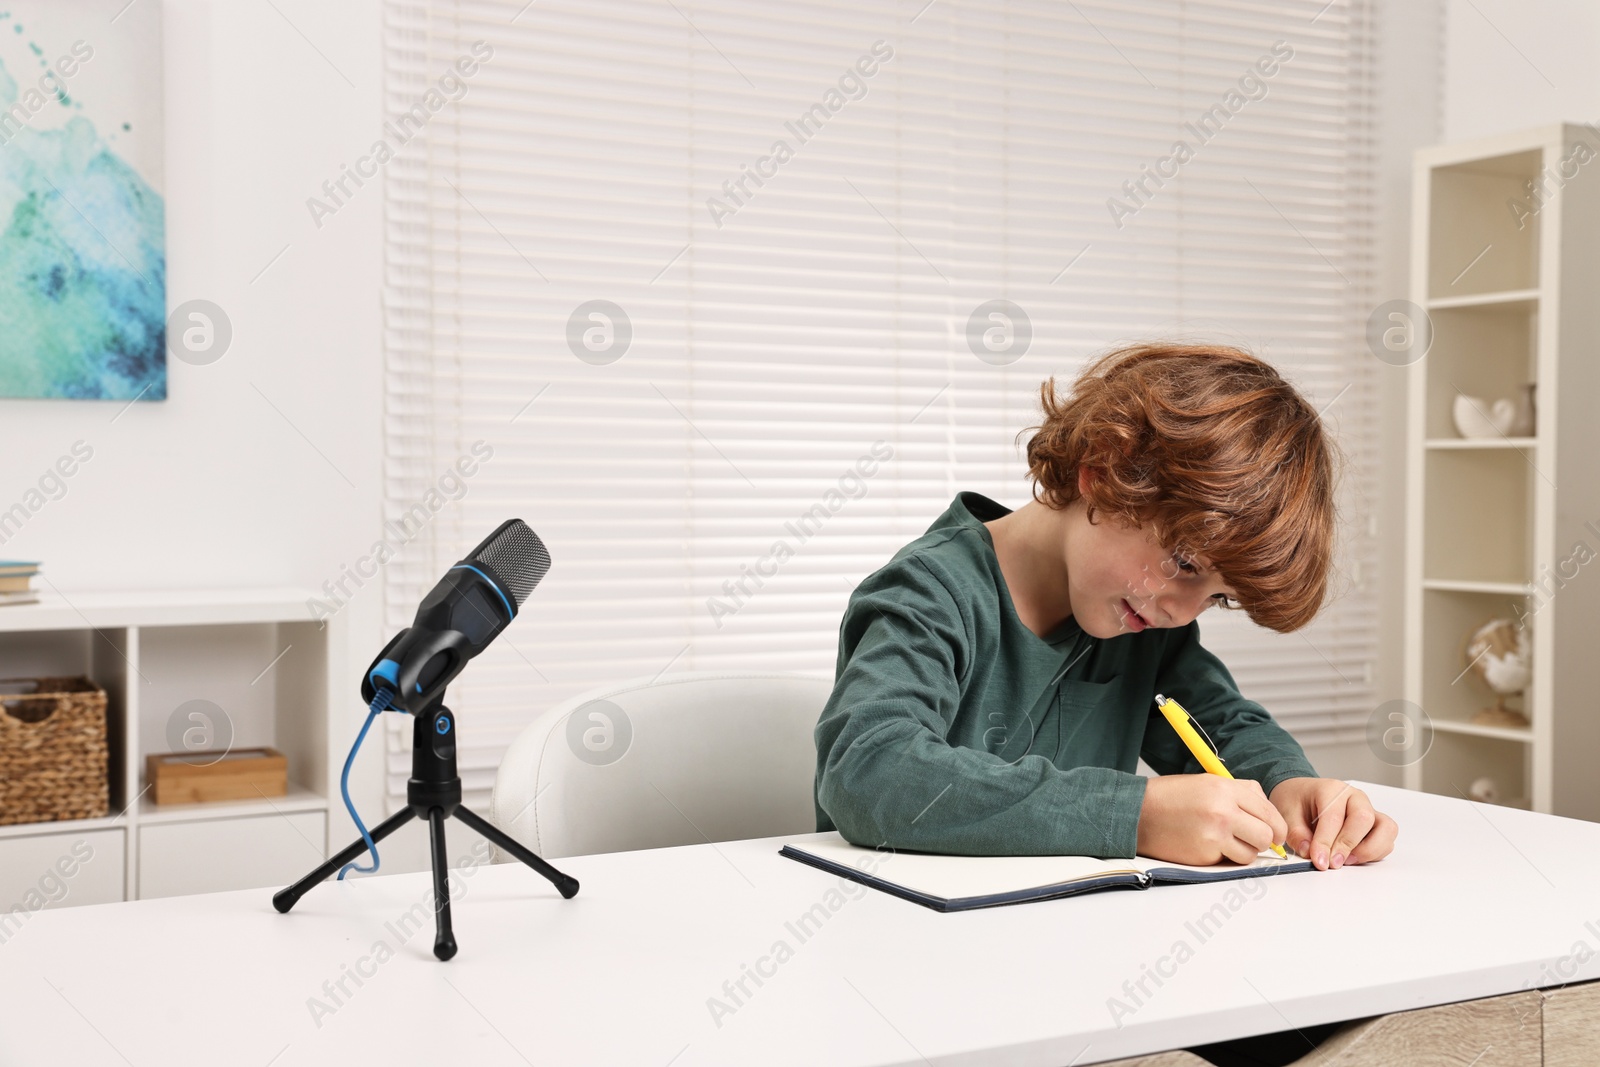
(473, 602)
(476, 599)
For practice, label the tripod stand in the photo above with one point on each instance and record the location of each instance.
(434, 794)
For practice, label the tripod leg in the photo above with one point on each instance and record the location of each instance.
(564, 883)
(284, 899)
(444, 942)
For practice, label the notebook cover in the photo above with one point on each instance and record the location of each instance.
(1128, 879)
(1190, 875)
(1169, 875)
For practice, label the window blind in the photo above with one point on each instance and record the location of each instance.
(795, 367)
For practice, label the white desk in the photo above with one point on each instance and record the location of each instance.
(1475, 901)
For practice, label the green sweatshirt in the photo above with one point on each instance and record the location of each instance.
(954, 728)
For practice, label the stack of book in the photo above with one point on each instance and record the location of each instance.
(16, 582)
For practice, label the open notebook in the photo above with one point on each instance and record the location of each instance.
(958, 883)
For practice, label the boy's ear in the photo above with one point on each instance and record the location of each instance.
(1085, 479)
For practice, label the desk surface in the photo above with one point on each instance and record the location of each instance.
(1475, 901)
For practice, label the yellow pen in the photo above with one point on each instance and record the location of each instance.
(1179, 718)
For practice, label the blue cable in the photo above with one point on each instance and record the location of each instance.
(380, 702)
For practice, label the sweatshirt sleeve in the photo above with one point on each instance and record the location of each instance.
(1251, 743)
(886, 776)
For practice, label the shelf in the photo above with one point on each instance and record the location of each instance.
(149, 813)
(1444, 585)
(74, 610)
(1476, 515)
(1480, 442)
(1484, 348)
(1457, 759)
(298, 799)
(1503, 733)
(1475, 248)
(1520, 299)
(61, 826)
(1502, 261)
(257, 658)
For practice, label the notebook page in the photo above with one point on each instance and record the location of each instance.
(1263, 859)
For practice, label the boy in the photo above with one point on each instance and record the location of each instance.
(996, 679)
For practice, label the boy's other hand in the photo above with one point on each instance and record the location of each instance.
(1202, 819)
(1333, 823)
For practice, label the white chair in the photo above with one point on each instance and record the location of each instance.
(682, 759)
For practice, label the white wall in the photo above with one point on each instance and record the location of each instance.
(1408, 36)
(1511, 64)
(213, 486)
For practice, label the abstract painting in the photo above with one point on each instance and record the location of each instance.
(82, 221)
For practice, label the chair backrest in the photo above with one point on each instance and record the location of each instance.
(674, 760)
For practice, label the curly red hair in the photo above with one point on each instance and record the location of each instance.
(1217, 451)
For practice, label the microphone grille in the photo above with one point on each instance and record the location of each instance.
(515, 553)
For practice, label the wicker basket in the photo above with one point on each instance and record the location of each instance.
(52, 750)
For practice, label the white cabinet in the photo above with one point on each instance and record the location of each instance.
(232, 853)
(1505, 262)
(232, 667)
(59, 870)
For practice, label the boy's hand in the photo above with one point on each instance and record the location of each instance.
(1332, 822)
(1201, 819)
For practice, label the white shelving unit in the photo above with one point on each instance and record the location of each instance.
(1493, 526)
(254, 653)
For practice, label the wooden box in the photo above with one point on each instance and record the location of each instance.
(197, 777)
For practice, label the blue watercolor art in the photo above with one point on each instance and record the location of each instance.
(82, 221)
